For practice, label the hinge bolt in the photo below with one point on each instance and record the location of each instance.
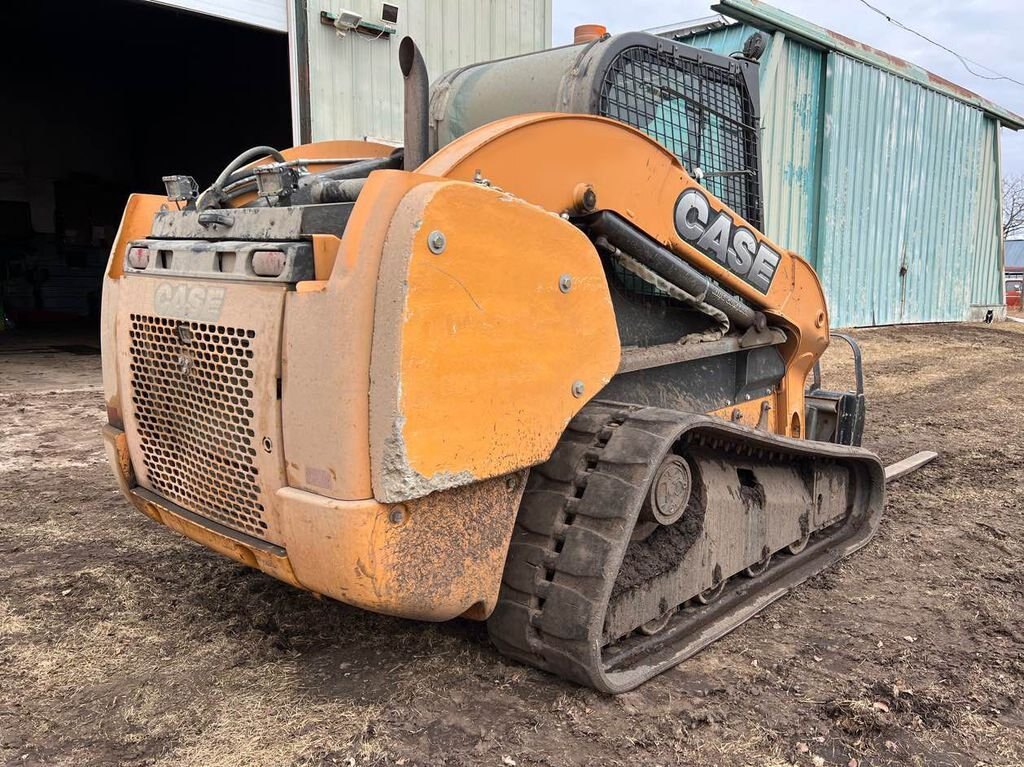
(436, 242)
(565, 283)
(577, 389)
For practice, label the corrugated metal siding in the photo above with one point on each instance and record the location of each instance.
(791, 81)
(900, 176)
(890, 189)
(724, 40)
(987, 261)
(355, 83)
(791, 148)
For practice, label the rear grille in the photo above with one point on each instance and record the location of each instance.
(191, 387)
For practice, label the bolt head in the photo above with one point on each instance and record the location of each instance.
(397, 515)
(436, 242)
(565, 283)
(589, 199)
(578, 388)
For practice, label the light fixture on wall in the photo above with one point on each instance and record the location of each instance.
(347, 21)
(350, 21)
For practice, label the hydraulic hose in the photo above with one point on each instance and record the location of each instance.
(671, 268)
(697, 302)
(308, 182)
(214, 197)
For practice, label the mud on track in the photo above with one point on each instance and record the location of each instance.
(123, 643)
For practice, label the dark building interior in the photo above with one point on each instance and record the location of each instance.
(101, 99)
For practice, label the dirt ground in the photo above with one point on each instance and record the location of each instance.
(123, 643)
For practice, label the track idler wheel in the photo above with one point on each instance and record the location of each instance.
(669, 493)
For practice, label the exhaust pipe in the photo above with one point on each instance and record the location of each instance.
(417, 98)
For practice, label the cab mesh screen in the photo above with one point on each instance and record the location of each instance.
(699, 112)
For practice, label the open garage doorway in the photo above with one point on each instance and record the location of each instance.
(102, 98)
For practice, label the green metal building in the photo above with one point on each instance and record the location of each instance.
(884, 176)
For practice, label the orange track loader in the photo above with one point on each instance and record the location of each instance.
(539, 367)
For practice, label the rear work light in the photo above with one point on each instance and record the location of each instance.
(268, 263)
(138, 257)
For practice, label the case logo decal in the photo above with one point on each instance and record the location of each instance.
(201, 303)
(717, 235)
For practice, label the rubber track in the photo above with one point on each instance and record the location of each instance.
(574, 523)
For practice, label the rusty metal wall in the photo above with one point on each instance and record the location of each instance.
(905, 233)
(889, 188)
(354, 81)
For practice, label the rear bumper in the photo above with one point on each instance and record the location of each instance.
(435, 558)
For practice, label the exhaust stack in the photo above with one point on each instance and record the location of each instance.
(417, 98)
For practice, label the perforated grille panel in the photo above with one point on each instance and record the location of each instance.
(192, 390)
(701, 113)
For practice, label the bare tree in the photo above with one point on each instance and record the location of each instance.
(1013, 206)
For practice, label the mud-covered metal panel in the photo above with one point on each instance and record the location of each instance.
(704, 384)
(484, 345)
(434, 558)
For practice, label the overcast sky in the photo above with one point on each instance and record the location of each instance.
(987, 31)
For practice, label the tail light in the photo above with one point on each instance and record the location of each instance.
(138, 257)
(268, 263)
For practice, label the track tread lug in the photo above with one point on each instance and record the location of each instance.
(566, 463)
(617, 491)
(540, 511)
(522, 575)
(587, 554)
(631, 446)
(510, 622)
(590, 421)
(567, 613)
